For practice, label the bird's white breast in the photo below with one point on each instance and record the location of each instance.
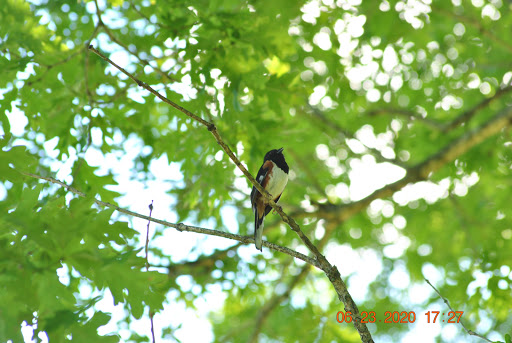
(277, 182)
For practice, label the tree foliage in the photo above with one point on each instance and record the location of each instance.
(395, 118)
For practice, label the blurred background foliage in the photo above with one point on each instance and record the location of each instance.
(358, 93)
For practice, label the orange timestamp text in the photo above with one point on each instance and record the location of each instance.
(403, 317)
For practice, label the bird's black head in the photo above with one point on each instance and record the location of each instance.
(276, 156)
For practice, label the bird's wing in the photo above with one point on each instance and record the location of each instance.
(260, 177)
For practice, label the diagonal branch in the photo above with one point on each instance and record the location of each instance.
(476, 23)
(407, 114)
(332, 125)
(470, 332)
(202, 265)
(277, 299)
(422, 170)
(180, 226)
(142, 15)
(330, 271)
(121, 44)
(463, 118)
(88, 92)
(146, 249)
(467, 115)
(273, 303)
(312, 180)
(51, 66)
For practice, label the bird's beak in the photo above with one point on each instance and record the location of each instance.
(280, 150)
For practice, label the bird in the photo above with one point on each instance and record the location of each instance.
(273, 177)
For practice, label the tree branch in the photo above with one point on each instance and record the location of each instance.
(445, 127)
(467, 115)
(121, 44)
(477, 24)
(320, 261)
(142, 15)
(273, 303)
(312, 180)
(422, 170)
(51, 66)
(211, 127)
(202, 265)
(470, 332)
(407, 114)
(180, 226)
(277, 299)
(330, 124)
(151, 313)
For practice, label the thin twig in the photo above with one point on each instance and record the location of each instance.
(65, 60)
(462, 118)
(139, 12)
(312, 180)
(111, 35)
(51, 66)
(346, 134)
(277, 299)
(151, 313)
(88, 92)
(151, 90)
(147, 236)
(407, 114)
(235, 330)
(470, 332)
(273, 303)
(476, 23)
(203, 265)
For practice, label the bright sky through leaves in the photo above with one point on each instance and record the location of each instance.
(395, 119)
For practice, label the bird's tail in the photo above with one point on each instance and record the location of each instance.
(258, 231)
